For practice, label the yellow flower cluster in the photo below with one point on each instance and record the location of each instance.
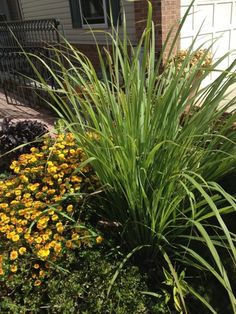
(38, 204)
(195, 57)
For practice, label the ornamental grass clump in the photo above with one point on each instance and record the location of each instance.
(160, 174)
(40, 208)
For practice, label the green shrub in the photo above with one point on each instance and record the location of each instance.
(84, 289)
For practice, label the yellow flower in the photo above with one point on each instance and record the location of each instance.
(13, 255)
(57, 247)
(43, 253)
(69, 208)
(99, 239)
(3, 205)
(22, 250)
(60, 229)
(29, 203)
(52, 169)
(13, 268)
(33, 159)
(54, 217)
(14, 202)
(72, 151)
(18, 192)
(42, 273)
(24, 179)
(69, 244)
(36, 266)
(27, 195)
(75, 236)
(17, 170)
(34, 150)
(57, 237)
(37, 282)
(45, 237)
(15, 238)
(51, 191)
(38, 240)
(1, 272)
(27, 236)
(30, 240)
(33, 187)
(42, 225)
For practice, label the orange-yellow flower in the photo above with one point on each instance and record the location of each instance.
(69, 244)
(42, 273)
(57, 247)
(13, 268)
(3, 205)
(37, 282)
(13, 255)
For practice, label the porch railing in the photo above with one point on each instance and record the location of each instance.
(17, 40)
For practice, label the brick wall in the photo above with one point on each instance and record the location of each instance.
(166, 14)
(90, 51)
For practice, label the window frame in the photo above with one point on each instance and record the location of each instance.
(99, 25)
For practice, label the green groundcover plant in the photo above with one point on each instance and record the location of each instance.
(80, 286)
(160, 173)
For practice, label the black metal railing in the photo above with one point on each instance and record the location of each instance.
(19, 40)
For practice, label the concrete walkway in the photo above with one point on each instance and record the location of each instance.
(21, 111)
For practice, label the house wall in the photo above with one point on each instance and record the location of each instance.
(165, 14)
(10, 8)
(61, 9)
(81, 38)
(4, 8)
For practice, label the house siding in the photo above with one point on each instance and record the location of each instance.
(60, 9)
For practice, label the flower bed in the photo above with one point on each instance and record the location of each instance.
(40, 206)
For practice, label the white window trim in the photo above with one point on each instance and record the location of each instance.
(88, 26)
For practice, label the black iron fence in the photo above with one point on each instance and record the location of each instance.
(19, 40)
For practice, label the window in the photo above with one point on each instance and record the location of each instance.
(94, 13)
